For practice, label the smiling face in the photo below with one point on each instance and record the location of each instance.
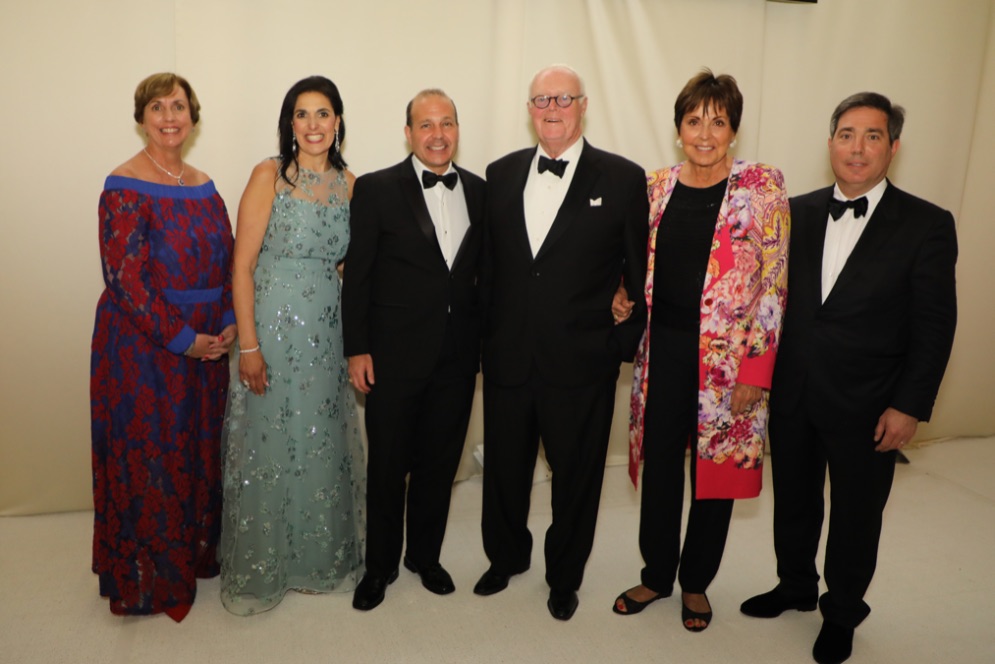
(557, 128)
(314, 125)
(166, 120)
(434, 132)
(860, 150)
(706, 134)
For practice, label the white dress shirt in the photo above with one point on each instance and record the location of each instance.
(842, 235)
(448, 211)
(544, 193)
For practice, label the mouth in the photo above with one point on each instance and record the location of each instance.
(169, 130)
(437, 148)
(314, 138)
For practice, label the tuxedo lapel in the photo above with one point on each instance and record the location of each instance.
(411, 189)
(816, 217)
(576, 200)
(516, 190)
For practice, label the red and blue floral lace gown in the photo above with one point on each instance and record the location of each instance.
(156, 415)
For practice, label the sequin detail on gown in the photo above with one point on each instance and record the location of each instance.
(294, 470)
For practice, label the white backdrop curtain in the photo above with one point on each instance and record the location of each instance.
(69, 71)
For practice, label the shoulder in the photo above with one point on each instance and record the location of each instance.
(661, 176)
(385, 174)
(469, 178)
(510, 160)
(816, 198)
(914, 207)
(611, 160)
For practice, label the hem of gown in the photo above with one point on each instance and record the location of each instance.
(249, 605)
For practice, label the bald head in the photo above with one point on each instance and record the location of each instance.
(557, 104)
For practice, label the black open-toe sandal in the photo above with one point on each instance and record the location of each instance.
(688, 617)
(633, 606)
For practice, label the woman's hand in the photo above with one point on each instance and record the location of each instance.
(744, 397)
(621, 305)
(221, 344)
(252, 372)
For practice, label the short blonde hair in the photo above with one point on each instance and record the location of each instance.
(160, 85)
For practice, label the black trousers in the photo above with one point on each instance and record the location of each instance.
(860, 481)
(574, 424)
(416, 429)
(671, 421)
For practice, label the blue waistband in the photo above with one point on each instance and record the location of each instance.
(193, 295)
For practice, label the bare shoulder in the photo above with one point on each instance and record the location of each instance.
(133, 168)
(350, 180)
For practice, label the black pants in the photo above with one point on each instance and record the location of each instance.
(574, 424)
(860, 482)
(671, 420)
(416, 428)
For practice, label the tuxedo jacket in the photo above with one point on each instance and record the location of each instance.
(398, 293)
(552, 311)
(883, 336)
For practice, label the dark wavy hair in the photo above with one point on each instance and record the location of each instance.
(285, 126)
(713, 92)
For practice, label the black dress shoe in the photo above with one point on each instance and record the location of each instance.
(772, 604)
(562, 604)
(491, 582)
(434, 577)
(371, 590)
(834, 645)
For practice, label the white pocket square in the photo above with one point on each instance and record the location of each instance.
(596, 202)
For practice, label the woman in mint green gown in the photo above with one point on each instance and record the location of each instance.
(294, 473)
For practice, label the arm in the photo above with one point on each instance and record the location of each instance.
(771, 215)
(253, 218)
(933, 319)
(357, 283)
(636, 238)
(131, 285)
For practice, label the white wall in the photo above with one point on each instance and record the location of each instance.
(69, 72)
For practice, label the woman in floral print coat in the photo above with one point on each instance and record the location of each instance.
(715, 289)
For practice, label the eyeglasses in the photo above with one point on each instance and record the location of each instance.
(563, 101)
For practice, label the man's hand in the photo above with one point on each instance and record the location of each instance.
(361, 372)
(894, 430)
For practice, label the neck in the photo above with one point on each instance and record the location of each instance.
(554, 151)
(694, 175)
(318, 164)
(169, 158)
(854, 192)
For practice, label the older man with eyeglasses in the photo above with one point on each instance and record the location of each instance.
(567, 224)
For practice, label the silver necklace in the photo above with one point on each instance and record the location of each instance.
(178, 178)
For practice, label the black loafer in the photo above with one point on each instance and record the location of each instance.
(562, 604)
(834, 645)
(371, 590)
(772, 604)
(434, 577)
(491, 582)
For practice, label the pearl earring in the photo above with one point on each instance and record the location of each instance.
(733, 143)
(680, 143)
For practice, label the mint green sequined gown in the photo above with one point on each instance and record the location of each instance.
(294, 471)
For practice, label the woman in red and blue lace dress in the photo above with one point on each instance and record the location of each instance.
(159, 365)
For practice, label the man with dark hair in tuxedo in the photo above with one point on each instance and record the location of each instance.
(867, 334)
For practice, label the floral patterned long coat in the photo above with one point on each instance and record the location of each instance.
(742, 306)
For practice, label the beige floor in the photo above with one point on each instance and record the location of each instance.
(932, 597)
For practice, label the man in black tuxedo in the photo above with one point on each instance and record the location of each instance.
(868, 330)
(411, 326)
(566, 223)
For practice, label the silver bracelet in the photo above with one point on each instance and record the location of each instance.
(249, 350)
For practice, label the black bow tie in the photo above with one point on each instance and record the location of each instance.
(838, 207)
(555, 166)
(430, 179)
